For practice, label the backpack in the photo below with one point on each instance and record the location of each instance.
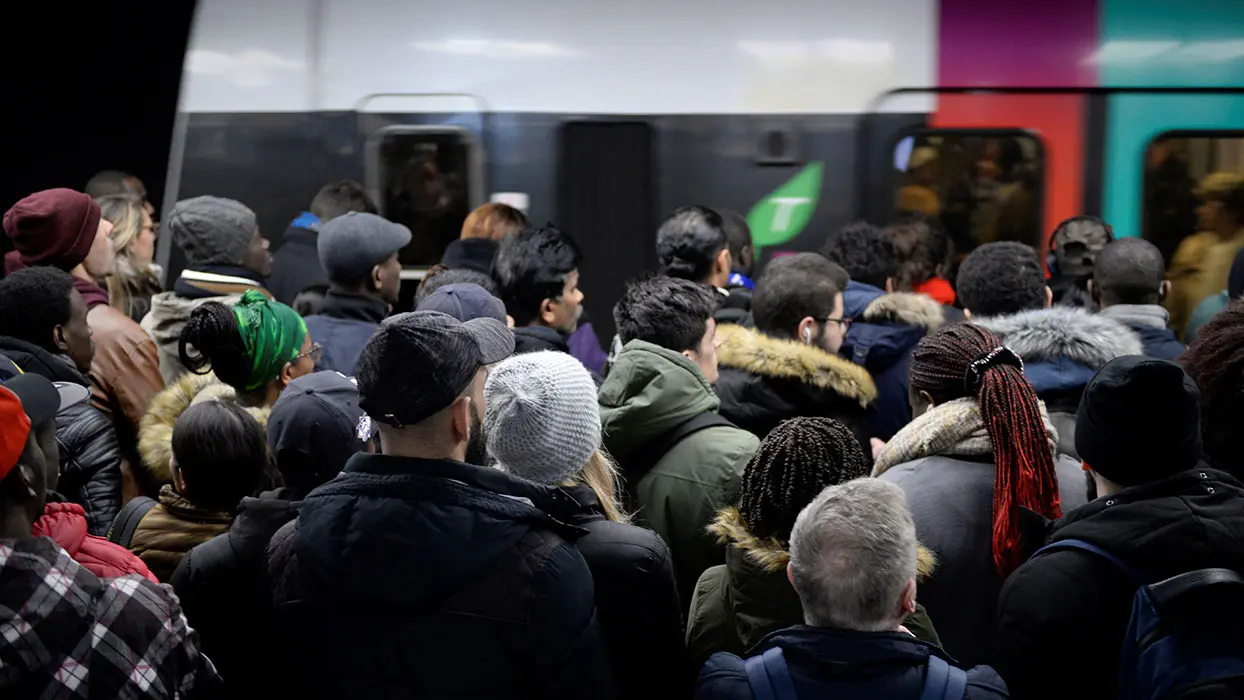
(1181, 640)
(122, 530)
(646, 457)
(770, 680)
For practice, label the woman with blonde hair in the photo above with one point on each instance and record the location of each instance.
(481, 237)
(135, 279)
(542, 424)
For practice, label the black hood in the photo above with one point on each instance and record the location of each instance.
(258, 520)
(1189, 521)
(537, 338)
(34, 359)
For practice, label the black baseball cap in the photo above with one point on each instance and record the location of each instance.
(40, 398)
(464, 302)
(318, 417)
(418, 363)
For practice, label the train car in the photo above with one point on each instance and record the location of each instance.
(1000, 118)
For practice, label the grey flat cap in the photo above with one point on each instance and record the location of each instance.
(351, 244)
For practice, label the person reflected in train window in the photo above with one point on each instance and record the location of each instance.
(692, 244)
(114, 183)
(1203, 261)
(537, 272)
(789, 365)
(1129, 285)
(1003, 288)
(1214, 305)
(922, 250)
(1073, 249)
(1216, 362)
(136, 279)
(1169, 200)
(359, 252)
(885, 324)
(225, 258)
(296, 263)
(919, 194)
(482, 233)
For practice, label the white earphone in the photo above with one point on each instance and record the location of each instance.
(807, 336)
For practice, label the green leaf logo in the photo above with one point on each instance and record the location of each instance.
(782, 215)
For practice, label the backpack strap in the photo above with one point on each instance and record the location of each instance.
(768, 677)
(123, 528)
(647, 456)
(943, 681)
(1131, 572)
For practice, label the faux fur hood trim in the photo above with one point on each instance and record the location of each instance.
(770, 555)
(907, 308)
(1038, 336)
(155, 433)
(754, 352)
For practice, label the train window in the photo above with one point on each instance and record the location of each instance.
(983, 187)
(1187, 174)
(424, 177)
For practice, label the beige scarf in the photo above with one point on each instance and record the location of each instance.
(952, 428)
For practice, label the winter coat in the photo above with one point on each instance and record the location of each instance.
(737, 604)
(844, 665)
(296, 266)
(763, 381)
(432, 578)
(475, 254)
(1062, 349)
(951, 501)
(343, 328)
(1149, 321)
(542, 338)
(1062, 615)
(90, 457)
(881, 340)
(195, 287)
(65, 524)
(736, 307)
(171, 528)
(155, 440)
(649, 392)
(222, 587)
(125, 374)
(637, 602)
(584, 346)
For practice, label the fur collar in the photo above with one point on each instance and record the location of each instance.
(771, 555)
(1039, 336)
(906, 308)
(749, 350)
(155, 433)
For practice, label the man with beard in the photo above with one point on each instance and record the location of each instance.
(407, 559)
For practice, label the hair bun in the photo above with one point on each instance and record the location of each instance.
(998, 357)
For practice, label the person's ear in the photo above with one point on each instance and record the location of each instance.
(460, 418)
(377, 277)
(889, 285)
(790, 573)
(287, 374)
(1164, 290)
(804, 331)
(58, 338)
(927, 398)
(967, 314)
(29, 477)
(1049, 297)
(723, 262)
(547, 315)
(179, 481)
(1094, 293)
(907, 604)
(691, 355)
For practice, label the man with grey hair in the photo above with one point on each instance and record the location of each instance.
(853, 564)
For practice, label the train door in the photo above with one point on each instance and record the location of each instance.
(424, 168)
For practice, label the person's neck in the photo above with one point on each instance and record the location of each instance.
(404, 443)
(1226, 233)
(81, 273)
(363, 291)
(16, 522)
(1105, 487)
(261, 398)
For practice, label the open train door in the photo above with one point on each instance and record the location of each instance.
(425, 169)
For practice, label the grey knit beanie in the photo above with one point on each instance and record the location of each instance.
(541, 416)
(212, 230)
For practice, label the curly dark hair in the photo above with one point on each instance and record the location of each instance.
(999, 279)
(865, 252)
(33, 302)
(1215, 361)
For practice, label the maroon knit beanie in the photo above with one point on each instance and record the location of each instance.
(52, 227)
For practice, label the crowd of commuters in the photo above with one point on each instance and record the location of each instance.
(872, 471)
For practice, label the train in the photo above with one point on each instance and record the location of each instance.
(1001, 119)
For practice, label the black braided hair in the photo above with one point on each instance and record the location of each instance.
(798, 460)
(1215, 361)
(212, 331)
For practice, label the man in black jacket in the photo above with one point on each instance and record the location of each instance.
(1128, 285)
(43, 330)
(537, 271)
(415, 574)
(296, 264)
(1062, 616)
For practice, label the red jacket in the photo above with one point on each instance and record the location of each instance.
(65, 524)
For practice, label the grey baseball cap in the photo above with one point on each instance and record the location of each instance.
(351, 244)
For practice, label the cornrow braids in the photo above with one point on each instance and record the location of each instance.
(1215, 361)
(1024, 464)
(798, 460)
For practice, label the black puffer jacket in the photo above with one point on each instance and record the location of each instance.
(436, 579)
(636, 602)
(1062, 615)
(90, 456)
(221, 584)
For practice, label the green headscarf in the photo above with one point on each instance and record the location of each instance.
(273, 335)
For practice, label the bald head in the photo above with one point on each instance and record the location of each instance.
(1129, 271)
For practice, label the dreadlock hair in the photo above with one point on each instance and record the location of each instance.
(212, 331)
(1215, 361)
(795, 462)
(1024, 464)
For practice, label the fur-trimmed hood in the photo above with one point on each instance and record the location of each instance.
(770, 555)
(906, 308)
(155, 433)
(758, 354)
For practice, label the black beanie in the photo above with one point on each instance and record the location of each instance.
(1139, 421)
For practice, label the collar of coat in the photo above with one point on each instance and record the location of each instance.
(155, 434)
(906, 308)
(1061, 332)
(753, 352)
(771, 555)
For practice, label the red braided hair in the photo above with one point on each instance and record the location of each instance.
(1024, 464)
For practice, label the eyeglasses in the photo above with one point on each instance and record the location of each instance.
(315, 353)
(844, 322)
